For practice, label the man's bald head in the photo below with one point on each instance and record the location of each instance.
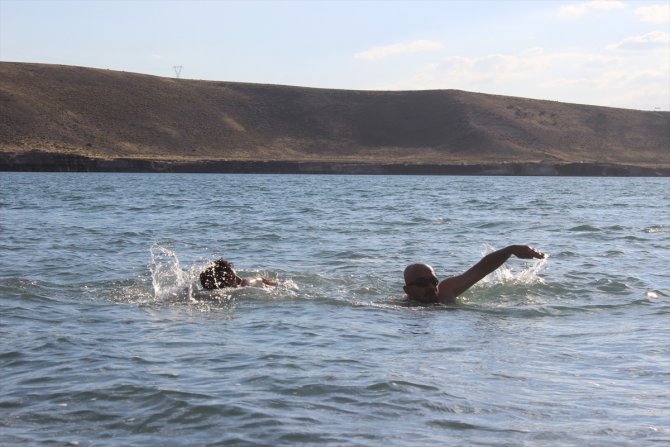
(421, 283)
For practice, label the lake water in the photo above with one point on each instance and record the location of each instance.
(107, 339)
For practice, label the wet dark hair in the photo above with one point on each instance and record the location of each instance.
(219, 275)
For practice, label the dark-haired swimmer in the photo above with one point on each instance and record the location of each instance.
(222, 274)
(421, 283)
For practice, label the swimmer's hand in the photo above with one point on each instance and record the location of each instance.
(268, 281)
(526, 252)
(258, 282)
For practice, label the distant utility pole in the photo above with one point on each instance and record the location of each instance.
(177, 70)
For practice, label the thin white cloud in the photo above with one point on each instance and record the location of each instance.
(156, 56)
(622, 79)
(416, 46)
(577, 10)
(494, 68)
(643, 89)
(646, 96)
(654, 13)
(502, 68)
(650, 41)
(613, 78)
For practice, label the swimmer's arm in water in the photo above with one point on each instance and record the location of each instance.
(258, 281)
(454, 286)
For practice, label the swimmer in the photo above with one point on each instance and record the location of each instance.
(421, 283)
(222, 274)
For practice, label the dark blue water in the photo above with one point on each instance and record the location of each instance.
(107, 338)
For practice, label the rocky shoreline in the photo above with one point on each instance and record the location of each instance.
(54, 162)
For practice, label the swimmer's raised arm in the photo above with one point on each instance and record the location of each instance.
(454, 286)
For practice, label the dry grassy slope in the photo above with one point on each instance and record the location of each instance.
(113, 114)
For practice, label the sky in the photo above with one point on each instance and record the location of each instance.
(603, 52)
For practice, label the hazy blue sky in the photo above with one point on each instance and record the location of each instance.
(611, 53)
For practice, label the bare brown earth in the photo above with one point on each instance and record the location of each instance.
(75, 118)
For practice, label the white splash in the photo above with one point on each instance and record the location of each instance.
(529, 275)
(169, 280)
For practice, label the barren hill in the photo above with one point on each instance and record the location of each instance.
(109, 114)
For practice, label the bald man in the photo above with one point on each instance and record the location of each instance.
(421, 283)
